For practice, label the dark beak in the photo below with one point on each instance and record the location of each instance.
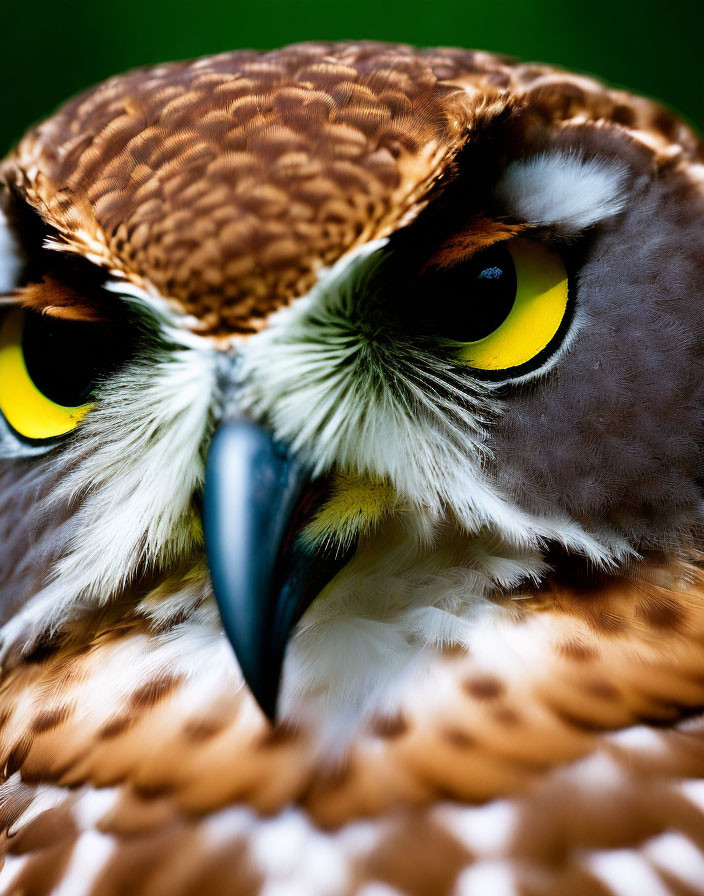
(257, 499)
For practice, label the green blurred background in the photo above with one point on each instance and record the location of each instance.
(54, 48)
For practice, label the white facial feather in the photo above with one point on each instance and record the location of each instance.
(130, 475)
(10, 257)
(563, 189)
(376, 625)
(397, 414)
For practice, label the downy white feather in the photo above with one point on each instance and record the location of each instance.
(563, 189)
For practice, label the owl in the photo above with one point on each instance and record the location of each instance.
(352, 469)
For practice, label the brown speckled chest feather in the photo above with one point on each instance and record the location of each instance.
(191, 787)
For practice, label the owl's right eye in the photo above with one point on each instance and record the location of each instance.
(48, 371)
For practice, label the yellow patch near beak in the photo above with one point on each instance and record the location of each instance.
(356, 506)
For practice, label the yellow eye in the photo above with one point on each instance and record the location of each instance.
(508, 305)
(47, 371)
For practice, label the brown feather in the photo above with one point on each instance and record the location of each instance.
(226, 183)
(577, 669)
(56, 298)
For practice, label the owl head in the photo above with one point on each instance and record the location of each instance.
(405, 329)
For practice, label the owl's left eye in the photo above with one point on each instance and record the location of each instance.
(48, 370)
(504, 309)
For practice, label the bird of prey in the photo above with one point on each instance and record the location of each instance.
(351, 465)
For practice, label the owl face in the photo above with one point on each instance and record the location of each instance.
(452, 329)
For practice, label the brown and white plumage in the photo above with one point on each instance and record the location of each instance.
(570, 733)
(226, 183)
(545, 737)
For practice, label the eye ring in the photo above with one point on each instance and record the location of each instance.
(28, 411)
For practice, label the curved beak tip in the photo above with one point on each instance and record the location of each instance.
(263, 580)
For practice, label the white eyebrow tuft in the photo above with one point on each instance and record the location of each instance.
(563, 189)
(10, 257)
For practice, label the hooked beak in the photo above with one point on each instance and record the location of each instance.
(257, 499)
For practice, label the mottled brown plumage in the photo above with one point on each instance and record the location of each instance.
(544, 737)
(225, 183)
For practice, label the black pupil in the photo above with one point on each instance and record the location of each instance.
(63, 357)
(474, 298)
